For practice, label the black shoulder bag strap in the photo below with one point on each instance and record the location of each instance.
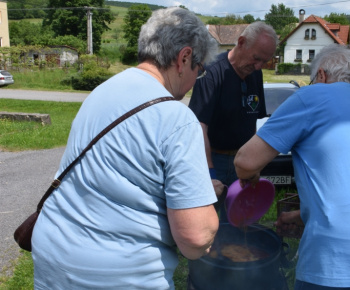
(56, 183)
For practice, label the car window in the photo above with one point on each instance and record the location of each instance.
(5, 73)
(274, 97)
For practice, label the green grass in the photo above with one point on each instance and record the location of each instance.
(119, 14)
(46, 79)
(16, 136)
(23, 278)
(50, 80)
(270, 76)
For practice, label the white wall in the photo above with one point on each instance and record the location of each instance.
(296, 41)
(4, 25)
(69, 56)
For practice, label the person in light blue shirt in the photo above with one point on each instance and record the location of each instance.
(143, 190)
(314, 124)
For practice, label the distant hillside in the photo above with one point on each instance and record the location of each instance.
(26, 9)
(128, 4)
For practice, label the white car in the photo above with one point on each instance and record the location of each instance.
(5, 78)
(279, 171)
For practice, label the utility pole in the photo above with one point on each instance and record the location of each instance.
(89, 30)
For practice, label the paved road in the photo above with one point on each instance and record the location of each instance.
(25, 176)
(42, 95)
(49, 96)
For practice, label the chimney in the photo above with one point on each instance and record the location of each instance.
(301, 15)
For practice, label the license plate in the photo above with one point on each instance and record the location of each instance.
(279, 179)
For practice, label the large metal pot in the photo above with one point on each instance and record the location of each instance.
(208, 273)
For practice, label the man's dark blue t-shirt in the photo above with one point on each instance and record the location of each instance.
(229, 105)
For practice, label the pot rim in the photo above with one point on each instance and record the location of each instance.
(273, 255)
(242, 265)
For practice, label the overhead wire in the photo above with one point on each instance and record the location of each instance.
(292, 7)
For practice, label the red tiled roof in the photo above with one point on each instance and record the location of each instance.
(226, 34)
(344, 33)
(333, 26)
(339, 33)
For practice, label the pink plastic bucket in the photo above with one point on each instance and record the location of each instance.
(247, 205)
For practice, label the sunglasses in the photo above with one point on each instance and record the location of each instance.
(201, 71)
(313, 79)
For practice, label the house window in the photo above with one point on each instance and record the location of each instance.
(313, 34)
(311, 55)
(0, 41)
(0, 17)
(298, 57)
(307, 33)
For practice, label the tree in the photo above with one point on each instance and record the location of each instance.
(232, 19)
(229, 19)
(340, 18)
(248, 18)
(20, 9)
(136, 16)
(214, 21)
(280, 16)
(286, 30)
(25, 33)
(69, 18)
(68, 40)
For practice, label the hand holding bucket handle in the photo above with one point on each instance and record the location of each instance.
(248, 204)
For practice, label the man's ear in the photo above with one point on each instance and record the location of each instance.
(241, 41)
(184, 57)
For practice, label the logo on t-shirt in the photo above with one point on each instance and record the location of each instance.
(253, 101)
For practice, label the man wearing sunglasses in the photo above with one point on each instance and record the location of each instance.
(230, 98)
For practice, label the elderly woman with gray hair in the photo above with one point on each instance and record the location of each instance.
(314, 124)
(143, 190)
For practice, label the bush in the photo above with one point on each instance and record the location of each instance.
(111, 52)
(284, 68)
(67, 81)
(92, 72)
(129, 55)
(293, 69)
(88, 81)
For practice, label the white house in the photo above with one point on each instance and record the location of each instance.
(310, 36)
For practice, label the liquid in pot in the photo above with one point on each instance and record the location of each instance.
(239, 253)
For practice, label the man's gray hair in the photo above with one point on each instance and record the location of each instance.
(255, 29)
(168, 31)
(334, 59)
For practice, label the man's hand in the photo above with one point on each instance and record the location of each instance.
(288, 222)
(218, 187)
(252, 181)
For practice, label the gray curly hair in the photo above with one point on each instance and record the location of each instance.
(169, 30)
(334, 59)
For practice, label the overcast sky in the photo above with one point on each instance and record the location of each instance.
(257, 8)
